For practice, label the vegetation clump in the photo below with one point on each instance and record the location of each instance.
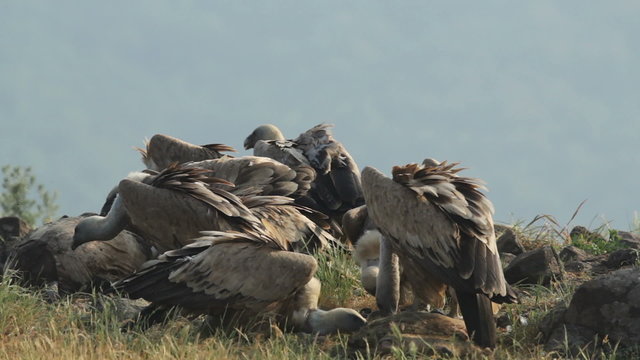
(19, 188)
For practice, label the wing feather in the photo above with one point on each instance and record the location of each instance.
(446, 234)
(222, 269)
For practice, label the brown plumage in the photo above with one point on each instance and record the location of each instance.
(336, 187)
(45, 256)
(171, 208)
(441, 227)
(239, 275)
(256, 175)
(162, 150)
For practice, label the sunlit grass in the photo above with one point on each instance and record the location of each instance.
(88, 326)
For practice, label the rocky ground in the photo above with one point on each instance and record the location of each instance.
(579, 292)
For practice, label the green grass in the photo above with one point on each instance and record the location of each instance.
(598, 244)
(88, 326)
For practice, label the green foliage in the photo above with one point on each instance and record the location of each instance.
(340, 277)
(598, 245)
(16, 198)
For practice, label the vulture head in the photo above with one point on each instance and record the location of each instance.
(335, 320)
(101, 227)
(263, 132)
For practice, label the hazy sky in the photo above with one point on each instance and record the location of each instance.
(541, 99)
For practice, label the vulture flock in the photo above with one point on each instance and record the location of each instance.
(237, 237)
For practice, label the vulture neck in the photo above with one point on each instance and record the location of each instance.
(309, 318)
(388, 279)
(102, 228)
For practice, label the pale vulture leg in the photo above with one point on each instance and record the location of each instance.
(388, 285)
(308, 317)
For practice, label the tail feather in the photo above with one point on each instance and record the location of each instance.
(478, 318)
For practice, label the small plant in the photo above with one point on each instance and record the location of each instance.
(17, 189)
(595, 244)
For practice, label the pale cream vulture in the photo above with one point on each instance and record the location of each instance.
(441, 227)
(240, 275)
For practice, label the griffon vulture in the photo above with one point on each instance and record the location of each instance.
(163, 150)
(376, 258)
(45, 256)
(336, 187)
(240, 275)
(441, 227)
(171, 208)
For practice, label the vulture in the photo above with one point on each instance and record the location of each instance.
(170, 208)
(45, 256)
(441, 227)
(367, 239)
(162, 150)
(336, 187)
(240, 275)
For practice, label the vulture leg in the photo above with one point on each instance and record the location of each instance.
(388, 284)
(477, 313)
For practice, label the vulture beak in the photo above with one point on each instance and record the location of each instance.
(249, 142)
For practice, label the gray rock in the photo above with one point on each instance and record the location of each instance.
(12, 230)
(577, 267)
(572, 253)
(508, 243)
(506, 259)
(608, 307)
(552, 320)
(499, 229)
(538, 266)
(13, 227)
(569, 339)
(584, 233)
(620, 258)
(629, 240)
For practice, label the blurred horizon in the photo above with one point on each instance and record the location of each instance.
(538, 99)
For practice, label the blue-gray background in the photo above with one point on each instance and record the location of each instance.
(540, 98)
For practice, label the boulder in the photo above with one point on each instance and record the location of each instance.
(577, 267)
(608, 306)
(584, 233)
(13, 227)
(508, 243)
(572, 253)
(629, 240)
(416, 333)
(506, 259)
(538, 266)
(620, 258)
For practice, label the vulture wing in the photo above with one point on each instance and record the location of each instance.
(222, 270)
(441, 226)
(163, 150)
(290, 223)
(179, 203)
(254, 175)
(338, 185)
(441, 221)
